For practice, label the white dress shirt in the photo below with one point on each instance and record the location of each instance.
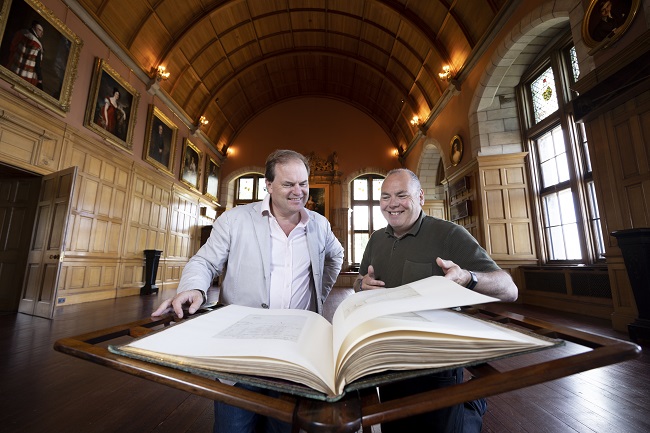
(290, 263)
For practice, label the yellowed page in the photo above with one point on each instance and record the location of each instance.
(298, 337)
(431, 293)
(425, 339)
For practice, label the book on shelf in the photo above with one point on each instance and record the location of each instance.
(375, 336)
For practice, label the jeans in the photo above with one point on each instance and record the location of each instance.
(462, 418)
(231, 419)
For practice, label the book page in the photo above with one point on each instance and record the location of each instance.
(432, 293)
(298, 337)
(426, 339)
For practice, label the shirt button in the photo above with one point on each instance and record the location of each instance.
(265, 306)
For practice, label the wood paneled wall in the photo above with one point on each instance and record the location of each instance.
(501, 218)
(119, 207)
(505, 208)
(619, 142)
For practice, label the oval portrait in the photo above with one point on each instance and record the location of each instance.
(456, 150)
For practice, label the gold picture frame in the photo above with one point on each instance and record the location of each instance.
(456, 150)
(212, 176)
(191, 165)
(600, 30)
(319, 199)
(160, 140)
(112, 106)
(51, 84)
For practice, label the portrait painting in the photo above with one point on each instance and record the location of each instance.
(160, 140)
(212, 173)
(191, 165)
(38, 53)
(607, 20)
(318, 199)
(112, 105)
(456, 150)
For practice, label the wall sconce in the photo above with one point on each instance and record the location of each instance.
(446, 73)
(161, 73)
(415, 121)
(203, 121)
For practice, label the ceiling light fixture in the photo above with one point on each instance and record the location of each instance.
(203, 121)
(415, 121)
(446, 73)
(162, 73)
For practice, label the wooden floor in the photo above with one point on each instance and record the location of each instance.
(42, 390)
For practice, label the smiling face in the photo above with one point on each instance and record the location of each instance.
(401, 201)
(289, 189)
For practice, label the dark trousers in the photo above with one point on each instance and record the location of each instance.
(462, 418)
(231, 419)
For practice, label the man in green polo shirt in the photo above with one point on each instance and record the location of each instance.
(415, 246)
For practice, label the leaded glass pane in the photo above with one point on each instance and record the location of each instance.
(594, 215)
(378, 220)
(572, 242)
(360, 217)
(567, 207)
(245, 190)
(556, 243)
(360, 189)
(599, 244)
(261, 188)
(549, 173)
(545, 147)
(553, 158)
(575, 68)
(376, 188)
(360, 242)
(544, 95)
(585, 146)
(552, 210)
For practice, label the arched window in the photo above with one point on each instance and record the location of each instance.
(366, 215)
(249, 188)
(566, 206)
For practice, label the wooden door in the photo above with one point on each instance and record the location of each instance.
(46, 248)
(18, 198)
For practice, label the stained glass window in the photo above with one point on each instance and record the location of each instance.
(575, 68)
(562, 168)
(544, 95)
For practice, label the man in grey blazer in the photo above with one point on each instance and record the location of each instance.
(278, 255)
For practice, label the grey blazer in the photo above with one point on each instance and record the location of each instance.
(241, 239)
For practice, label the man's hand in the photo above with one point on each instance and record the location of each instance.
(454, 272)
(192, 297)
(368, 281)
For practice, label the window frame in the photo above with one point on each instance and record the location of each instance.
(255, 177)
(370, 202)
(558, 58)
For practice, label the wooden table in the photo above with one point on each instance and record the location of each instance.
(357, 409)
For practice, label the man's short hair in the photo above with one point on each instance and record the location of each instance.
(414, 183)
(282, 156)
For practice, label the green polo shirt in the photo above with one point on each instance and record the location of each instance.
(399, 261)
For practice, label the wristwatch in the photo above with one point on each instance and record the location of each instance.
(473, 282)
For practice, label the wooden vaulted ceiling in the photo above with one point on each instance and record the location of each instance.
(231, 59)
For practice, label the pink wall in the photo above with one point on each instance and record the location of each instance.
(91, 49)
(320, 125)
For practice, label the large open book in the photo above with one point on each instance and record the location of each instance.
(406, 328)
